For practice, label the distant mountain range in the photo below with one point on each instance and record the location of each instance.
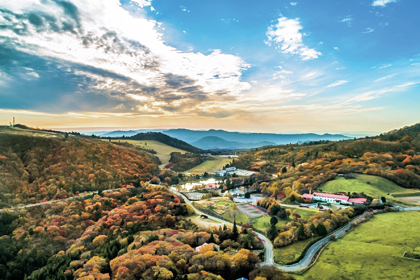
(217, 143)
(232, 140)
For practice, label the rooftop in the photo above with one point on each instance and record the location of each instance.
(337, 196)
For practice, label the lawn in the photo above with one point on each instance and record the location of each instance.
(372, 251)
(219, 205)
(292, 252)
(237, 215)
(373, 186)
(210, 165)
(262, 223)
(163, 151)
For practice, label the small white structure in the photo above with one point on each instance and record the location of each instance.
(212, 244)
(230, 169)
(220, 173)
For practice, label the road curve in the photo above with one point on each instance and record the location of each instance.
(269, 251)
(269, 257)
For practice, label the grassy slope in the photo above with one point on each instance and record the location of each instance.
(29, 132)
(371, 185)
(163, 151)
(209, 166)
(365, 253)
(291, 252)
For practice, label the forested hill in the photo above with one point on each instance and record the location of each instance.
(165, 139)
(33, 168)
(308, 166)
(411, 133)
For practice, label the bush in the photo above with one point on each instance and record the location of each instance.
(332, 237)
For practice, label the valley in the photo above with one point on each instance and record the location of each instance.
(249, 212)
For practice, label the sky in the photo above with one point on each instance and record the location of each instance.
(334, 66)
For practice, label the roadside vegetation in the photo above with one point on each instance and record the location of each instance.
(293, 252)
(372, 250)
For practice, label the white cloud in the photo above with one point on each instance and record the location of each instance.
(409, 84)
(143, 3)
(293, 3)
(288, 38)
(385, 66)
(340, 68)
(369, 30)
(115, 41)
(382, 3)
(33, 74)
(347, 20)
(338, 83)
(369, 95)
(386, 77)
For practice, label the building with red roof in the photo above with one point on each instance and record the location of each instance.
(332, 198)
(360, 200)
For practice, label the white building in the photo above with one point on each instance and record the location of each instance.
(230, 169)
(220, 173)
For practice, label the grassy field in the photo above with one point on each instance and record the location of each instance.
(238, 215)
(163, 151)
(210, 165)
(290, 253)
(372, 251)
(373, 186)
(262, 223)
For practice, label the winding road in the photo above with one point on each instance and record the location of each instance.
(269, 249)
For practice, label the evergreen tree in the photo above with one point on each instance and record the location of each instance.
(321, 230)
(211, 239)
(301, 232)
(312, 228)
(235, 231)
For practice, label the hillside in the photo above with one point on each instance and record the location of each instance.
(133, 233)
(308, 166)
(34, 168)
(215, 143)
(163, 151)
(165, 139)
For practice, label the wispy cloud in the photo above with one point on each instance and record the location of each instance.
(338, 83)
(368, 30)
(287, 37)
(408, 84)
(386, 77)
(385, 66)
(369, 95)
(293, 3)
(347, 20)
(382, 3)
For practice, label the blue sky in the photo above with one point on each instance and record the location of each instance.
(269, 66)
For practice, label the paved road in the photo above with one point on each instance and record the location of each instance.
(269, 251)
(303, 263)
(269, 257)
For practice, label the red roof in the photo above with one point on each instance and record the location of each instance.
(358, 200)
(337, 196)
(307, 196)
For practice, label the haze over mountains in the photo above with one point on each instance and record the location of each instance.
(221, 139)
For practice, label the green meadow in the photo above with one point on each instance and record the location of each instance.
(373, 250)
